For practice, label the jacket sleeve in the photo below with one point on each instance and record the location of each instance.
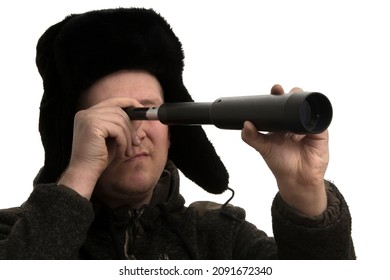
(51, 224)
(325, 237)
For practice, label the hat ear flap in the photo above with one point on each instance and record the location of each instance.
(51, 121)
(196, 158)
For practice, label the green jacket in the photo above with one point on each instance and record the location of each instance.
(57, 223)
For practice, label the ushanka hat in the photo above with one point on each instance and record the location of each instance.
(76, 52)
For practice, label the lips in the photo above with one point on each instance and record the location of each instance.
(138, 156)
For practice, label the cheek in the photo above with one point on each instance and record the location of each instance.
(159, 133)
(169, 137)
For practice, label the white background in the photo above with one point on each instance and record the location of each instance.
(340, 48)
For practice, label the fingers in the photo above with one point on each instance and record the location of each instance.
(292, 136)
(118, 126)
(107, 125)
(116, 139)
(132, 126)
(263, 142)
(121, 102)
(296, 90)
(253, 138)
(278, 90)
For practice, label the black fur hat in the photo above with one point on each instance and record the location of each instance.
(76, 52)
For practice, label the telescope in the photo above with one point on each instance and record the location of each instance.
(301, 113)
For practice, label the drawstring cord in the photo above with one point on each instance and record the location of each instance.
(224, 207)
(133, 230)
(231, 197)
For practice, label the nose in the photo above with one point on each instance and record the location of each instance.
(140, 131)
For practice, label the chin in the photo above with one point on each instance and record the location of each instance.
(127, 183)
(118, 193)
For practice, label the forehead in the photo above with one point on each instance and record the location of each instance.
(139, 85)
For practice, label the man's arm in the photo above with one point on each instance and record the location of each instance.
(51, 224)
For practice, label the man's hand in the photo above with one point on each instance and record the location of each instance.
(298, 163)
(100, 133)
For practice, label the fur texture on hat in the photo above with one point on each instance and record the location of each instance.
(76, 52)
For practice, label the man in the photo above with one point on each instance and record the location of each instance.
(109, 187)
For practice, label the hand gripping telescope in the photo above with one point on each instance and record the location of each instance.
(302, 113)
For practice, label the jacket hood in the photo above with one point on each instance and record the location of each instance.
(82, 48)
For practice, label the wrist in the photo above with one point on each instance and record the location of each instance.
(309, 201)
(80, 180)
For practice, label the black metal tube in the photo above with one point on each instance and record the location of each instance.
(185, 113)
(307, 112)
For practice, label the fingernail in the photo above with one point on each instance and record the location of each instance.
(137, 141)
(128, 153)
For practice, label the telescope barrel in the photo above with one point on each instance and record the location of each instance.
(303, 113)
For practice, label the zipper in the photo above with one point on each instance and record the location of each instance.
(132, 232)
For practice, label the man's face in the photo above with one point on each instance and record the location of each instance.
(131, 180)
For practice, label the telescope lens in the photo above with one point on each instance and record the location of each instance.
(315, 112)
(309, 114)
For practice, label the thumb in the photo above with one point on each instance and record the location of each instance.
(253, 138)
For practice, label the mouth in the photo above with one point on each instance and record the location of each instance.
(138, 156)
